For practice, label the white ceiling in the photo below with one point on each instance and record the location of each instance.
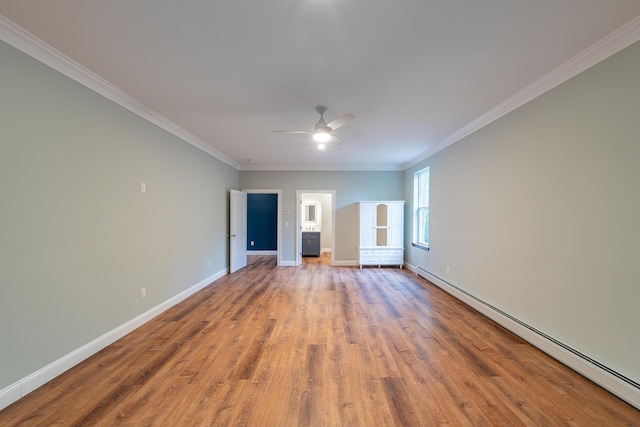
(414, 72)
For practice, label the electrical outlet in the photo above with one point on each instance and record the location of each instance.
(143, 187)
(143, 292)
(253, 243)
(448, 270)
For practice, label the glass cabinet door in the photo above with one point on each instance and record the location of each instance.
(381, 225)
(381, 237)
(381, 215)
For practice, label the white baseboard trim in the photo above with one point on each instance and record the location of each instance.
(347, 263)
(325, 250)
(287, 264)
(262, 252)
(26, 385)
(411, 268)
(595, 371)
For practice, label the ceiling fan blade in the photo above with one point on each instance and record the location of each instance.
(292, 131)
(341, 121)
(337, 140)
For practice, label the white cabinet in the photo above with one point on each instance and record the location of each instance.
(381, 233)
(367, 214)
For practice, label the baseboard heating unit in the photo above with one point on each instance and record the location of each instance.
(618, 384)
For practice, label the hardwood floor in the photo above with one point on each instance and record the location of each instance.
(323, 259)
(320, 346)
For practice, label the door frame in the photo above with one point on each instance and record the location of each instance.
(278, 219)
(300, 215)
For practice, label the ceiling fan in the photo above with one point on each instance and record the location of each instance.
(323, 131)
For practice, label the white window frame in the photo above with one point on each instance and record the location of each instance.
(419, 206)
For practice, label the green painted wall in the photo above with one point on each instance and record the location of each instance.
(77, 237)
(538, 213)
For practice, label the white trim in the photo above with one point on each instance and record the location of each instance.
(26, 385)
(11, 394)
(623, 37)
(288, 264)
(411, 268)
(330, 168)
(347, 263)
(598, 375)
(325, 250)
(26, 42)
(261, 252)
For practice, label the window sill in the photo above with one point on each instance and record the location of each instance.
(419, 246)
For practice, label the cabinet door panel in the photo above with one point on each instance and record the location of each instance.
(396, 214)
(367, 215)
(367, 237)
(395, 237)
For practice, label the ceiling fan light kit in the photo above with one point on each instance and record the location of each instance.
(321, 135)
(323, 131)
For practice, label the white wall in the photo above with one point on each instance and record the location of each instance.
(537, 213)
(77, 237)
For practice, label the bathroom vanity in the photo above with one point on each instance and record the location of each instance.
(310, 243)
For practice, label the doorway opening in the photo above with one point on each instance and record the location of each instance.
(263, 223)
(316, 220)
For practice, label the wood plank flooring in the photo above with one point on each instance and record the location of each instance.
(320, 346)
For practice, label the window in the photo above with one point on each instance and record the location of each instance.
(421, 208)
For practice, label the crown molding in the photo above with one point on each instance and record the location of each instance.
(621, 38)
(26, 42)
(41, 51)
(320, 168)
